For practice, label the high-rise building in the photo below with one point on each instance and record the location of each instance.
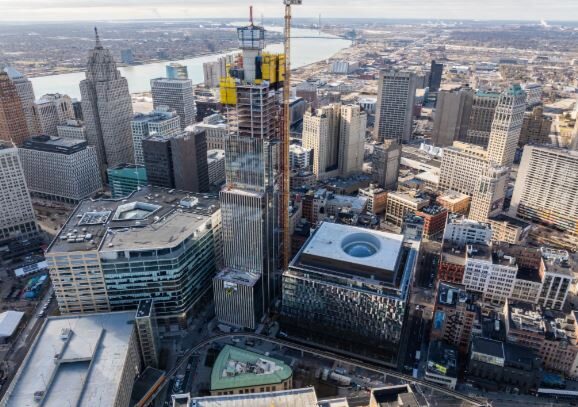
(461, 167)
(51, 111)
(26, 92)
(63, 170)
(169, 239)
(126, 56)
(72, 129)
(321, 134)
(536, 128)
(178, 95)
(348, 288)
(215, 70)
(162, 122)
(490, 193)
(506, 126)
(107, 109)
(249, 200)
(481, 118)
(17, 219)
(13, 124)
(452, 116)
(385, 164)
(177, 71)
(435, 76)
(352, 128)
(299, 157)
(126, 179)
(533, 93)
(147, 330)
(395, 102)
(546, 187)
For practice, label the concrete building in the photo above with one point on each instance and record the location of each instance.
(215, 129)
(239, 371)
(107, 109)
(442, 364)
(83, 360)
(460, 231)
(147, 330)
(178, 95)
(508, 229)
(344, 67)
(536, 128)
(279, 398)
(393, 396)
(177, 71)
(17, 218)
(348, 288)
(490, 193)
(385, 164)
(461, 167)
(454, 202)
(214, 71)
(376, 198)
(559, 271)
(353, 125)
(13, 124)
(456, 312)
(481, 118)
(26, 93)
(72, 129)
(51, 111)
(395, 101)
(435, 218)
(126, 179)
(62, 170)
(506, 126)
(533, 93)
(452, 116)
(216, 166)
(546, 189)
(162, 122)
(300, 157)
(321, 134)
(399, 204)
(171, 238)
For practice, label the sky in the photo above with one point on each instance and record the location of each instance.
(91, 10)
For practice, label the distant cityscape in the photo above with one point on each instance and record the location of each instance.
(389, 221)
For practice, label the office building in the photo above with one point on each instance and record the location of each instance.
(126, 179)
(558, 269)
(72, 129)
(385, 164)
(158, 161)
(435, 76)
(353, 125)
(435, 218)
(456, 313)
(506, 126)
(126, 56)
(343, 67)
(51, 111)
(399, 204)
(546, 189)
(395, 102)
(249, 200)
(461, 167)
(300, 157)
(376, 198)
(84, 360)
(490, 193)
(454, 202)
(550, 334)
(13, 124)
(279, 398)
(442, 364)
(495, 365)
(215, 128)
(148, 336)
(452, 116)
(321, 133)
(481, 118)
(107, 109)
(216, 166)
(536, 128)
(178, 95)
(508, 229)
(17, 218)
(62, 170)
(162, 122)
(170, 238)
(27, 98)
(239, 371)
(533, 93)
(77, 106)
(348, 288)
(215, 70)
(177, 71)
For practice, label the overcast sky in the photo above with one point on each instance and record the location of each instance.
(51, 10)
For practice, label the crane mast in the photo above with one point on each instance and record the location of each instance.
(286, 137)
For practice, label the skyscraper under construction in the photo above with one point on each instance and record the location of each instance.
(250, 198)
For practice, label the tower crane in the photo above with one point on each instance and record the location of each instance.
(286, 136)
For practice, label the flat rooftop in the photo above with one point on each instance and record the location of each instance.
(512, 221)
(237, 277)
(237, 368)
(74, 360)
(58, 145)
(442, 359)
(150, 218)
(287, 398)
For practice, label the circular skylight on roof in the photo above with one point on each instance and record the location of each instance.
(360, 245)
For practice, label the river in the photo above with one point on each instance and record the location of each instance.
(304, 51)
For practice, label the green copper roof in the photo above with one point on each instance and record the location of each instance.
(233, 365)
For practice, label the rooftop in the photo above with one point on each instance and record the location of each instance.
(488, 347)
(238, 277)
(453, 197)
(9, 321)
(74, 360)
(237, 368)
(286, 398)
(512, 221)
(394, 396)
(452, 294)
(150, 218)
(54, 144)
(442, 359)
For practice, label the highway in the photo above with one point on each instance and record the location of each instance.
(154, 392)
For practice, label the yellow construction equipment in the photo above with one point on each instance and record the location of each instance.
(228, 90)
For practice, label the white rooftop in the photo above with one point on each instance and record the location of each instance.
(376, 249)
(9, 321)
(287, 398)
(75, 360)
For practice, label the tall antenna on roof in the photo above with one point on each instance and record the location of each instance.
(251, 14)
